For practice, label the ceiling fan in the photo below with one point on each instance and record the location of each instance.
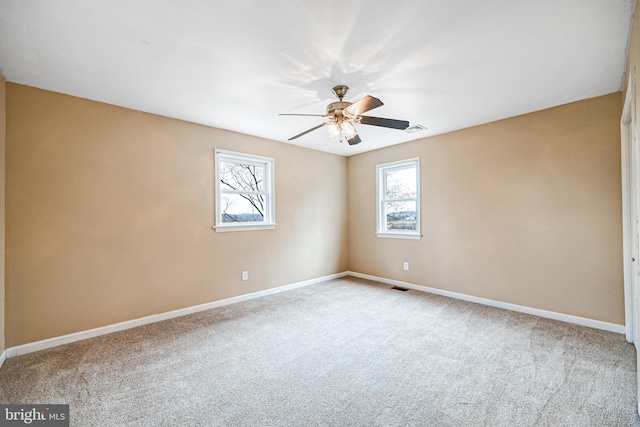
(343, 114)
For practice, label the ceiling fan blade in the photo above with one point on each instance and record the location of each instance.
(363, 105)
(386, 123)
(305, 132)
(312, 115)
(355, 139)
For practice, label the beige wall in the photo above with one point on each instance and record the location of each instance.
(525, 211)
(109, 215)
(2, 144)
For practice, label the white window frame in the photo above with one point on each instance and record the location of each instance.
(269, 217)
(381, 199)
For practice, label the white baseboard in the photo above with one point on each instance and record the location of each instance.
(583, 321)
(3, 357)
(91, 333)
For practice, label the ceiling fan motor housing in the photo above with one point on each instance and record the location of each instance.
(336, 109)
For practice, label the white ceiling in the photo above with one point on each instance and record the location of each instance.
(236, 64)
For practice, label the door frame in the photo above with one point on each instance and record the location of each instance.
(630, 210)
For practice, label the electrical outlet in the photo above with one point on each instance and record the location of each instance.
(245, 275)
(406, 266)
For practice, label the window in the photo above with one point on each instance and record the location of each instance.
(399, 199)
(244, 192)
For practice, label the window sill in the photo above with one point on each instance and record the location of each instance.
(399, 236)
(251, 227)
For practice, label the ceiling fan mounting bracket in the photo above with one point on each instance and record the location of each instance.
(340, 91)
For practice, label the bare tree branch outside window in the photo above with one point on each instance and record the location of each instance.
(244, 196)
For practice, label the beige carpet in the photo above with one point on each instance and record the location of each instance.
(342, 353)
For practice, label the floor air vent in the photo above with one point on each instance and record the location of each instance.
(398, 288)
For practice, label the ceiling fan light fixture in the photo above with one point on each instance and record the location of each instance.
(333, 131)
(348, 130)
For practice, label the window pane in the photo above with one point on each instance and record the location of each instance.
(400, 184)
(242, 208)
(400, 215)
(241, 177)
